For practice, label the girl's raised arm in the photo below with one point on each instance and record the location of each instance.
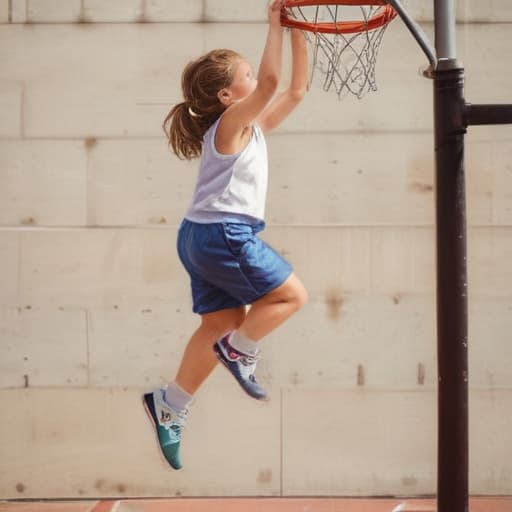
(283, 105)
(241, 112)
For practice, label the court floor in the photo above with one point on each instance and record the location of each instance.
(477, 504)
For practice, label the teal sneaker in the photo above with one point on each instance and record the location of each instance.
(168, 425)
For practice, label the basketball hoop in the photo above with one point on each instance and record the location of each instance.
(345, 36)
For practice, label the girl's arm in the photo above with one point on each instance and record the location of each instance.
(239, 115)
(283, 105)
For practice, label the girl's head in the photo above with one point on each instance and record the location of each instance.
(210, 84)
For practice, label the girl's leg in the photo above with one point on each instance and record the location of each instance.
(168, 409)
(239, 353)
(199, 360)
(273, 309)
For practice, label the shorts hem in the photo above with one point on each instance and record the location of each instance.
(273, 286)
(203, 310)
(214, 309)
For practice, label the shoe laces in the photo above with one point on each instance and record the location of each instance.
(182, 417)
(248, 360)
(178, 419)
(178, 424)
(248, 366)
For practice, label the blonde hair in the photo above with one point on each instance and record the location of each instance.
(202, 79)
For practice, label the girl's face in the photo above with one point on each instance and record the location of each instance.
(243, 84)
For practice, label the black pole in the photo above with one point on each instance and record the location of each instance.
(451, 117)
(488, 114)
(452, 336)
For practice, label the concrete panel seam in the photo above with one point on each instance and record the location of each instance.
(22, 111)
(88, 214)
(281, 442)
(18, 277)
(82, 12)
(70, 227)
(88, 351)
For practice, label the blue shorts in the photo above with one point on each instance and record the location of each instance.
(229, 266)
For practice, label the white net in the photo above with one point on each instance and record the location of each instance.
(344, 60)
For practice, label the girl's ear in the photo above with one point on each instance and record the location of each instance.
(224, 96)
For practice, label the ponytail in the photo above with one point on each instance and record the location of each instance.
(188, 121)
(183, 131)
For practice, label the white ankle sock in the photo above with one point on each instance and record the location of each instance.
(244, 344)
(177, 397)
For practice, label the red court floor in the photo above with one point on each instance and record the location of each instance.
(477, 504)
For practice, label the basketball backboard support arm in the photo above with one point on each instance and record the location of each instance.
(418, 34)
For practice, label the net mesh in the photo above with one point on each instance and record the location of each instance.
(343, 61)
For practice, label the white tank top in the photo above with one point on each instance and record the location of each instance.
(231, 187)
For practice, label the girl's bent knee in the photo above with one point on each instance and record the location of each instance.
(298, 297)
(301, 298)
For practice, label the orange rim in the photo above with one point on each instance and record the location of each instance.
(381, 18)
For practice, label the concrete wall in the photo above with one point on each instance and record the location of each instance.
(95, 308)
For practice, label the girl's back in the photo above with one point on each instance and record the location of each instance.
(231, 187)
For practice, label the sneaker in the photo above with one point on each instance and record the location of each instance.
(168, 425)
(241, 366)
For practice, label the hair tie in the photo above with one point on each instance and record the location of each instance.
(192, 113)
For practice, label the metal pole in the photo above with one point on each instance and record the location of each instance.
(452, 337)
(445, 23)
(451, 117)
(452, 332)
(488, 114)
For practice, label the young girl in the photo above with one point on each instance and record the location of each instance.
(222, 120)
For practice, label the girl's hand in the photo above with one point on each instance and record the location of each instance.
(274, 13)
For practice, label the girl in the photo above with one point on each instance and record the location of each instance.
(222, 120)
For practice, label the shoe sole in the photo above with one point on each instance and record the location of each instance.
(155, 430)
(220, 357)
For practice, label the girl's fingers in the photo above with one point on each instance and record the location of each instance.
(276, 5)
